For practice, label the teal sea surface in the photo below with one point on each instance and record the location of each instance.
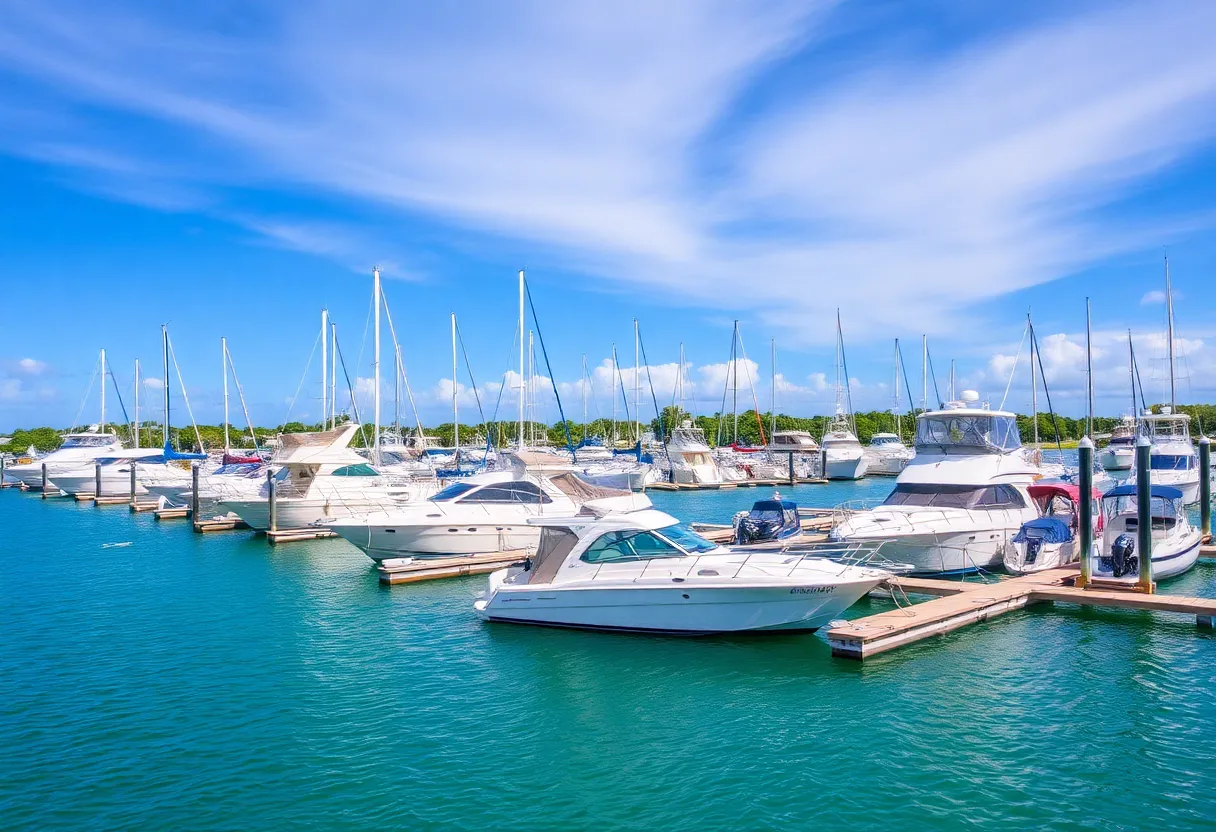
(213, 682)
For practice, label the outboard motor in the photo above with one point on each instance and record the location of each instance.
(1123, 559)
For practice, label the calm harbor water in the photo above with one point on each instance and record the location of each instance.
(214, 682)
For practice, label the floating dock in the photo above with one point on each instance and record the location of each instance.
(172, 513)
(962, 603)
(222, 523)
(297, 535)
(413, 570)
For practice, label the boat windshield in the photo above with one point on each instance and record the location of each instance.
(1164, 430)
(452, 492)
(1171, 462)
(968, 432)
(683, 536)
(956, 496)
(87, 441)
(884, 440)
(1112, 507)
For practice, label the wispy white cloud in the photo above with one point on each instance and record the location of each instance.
(1153, 298)
(613, 138)
(31, 366)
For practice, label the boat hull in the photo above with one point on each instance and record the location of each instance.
(1116, 459)
(84, 482)
(699, 610)
(384, 542)
(845, 467)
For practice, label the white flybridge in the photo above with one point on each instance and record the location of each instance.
(79, 450)
(957, 506)
(642, 571)
(844, 457)
(1173, 458)
(321, 478)
(482, 513)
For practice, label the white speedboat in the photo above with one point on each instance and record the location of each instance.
(887, 455)
(1120, 452)
(319, 478)
(79, 450)
(958, 504)
(228, 482)
(643, 571)
(116, 473)
(1175, 541)
(1051, 540)
(623, 473)
(845, 459)
(1172, 457)
(689, 457)
(483, 513)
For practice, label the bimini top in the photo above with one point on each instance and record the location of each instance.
(1067, 489)
(1165, 492)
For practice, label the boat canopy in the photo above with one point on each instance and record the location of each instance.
(1046, 491)
(1165, 492)
(1046, 529)
(170, 454)
(968, 431)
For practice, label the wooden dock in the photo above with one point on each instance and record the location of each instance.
(962, 603)
(139, 506)
(298, 535)
(172, 513)
(413, 570)
(222, 523)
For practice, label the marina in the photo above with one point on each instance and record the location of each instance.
(671, 416)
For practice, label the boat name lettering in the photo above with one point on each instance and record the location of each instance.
(811, 590)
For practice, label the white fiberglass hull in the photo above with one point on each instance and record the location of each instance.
(1172, 556)
(387, 541)
(297, 512)
(887, 465)
(1117, 459)
(115, 482)
(845, 467)
(668, 608)
(1049, 556)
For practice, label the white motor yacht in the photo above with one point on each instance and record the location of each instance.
(798, 441)
(1120, 452)
(958, 504)
(887, 455)
(1175, 541)
(845, 459)
(1053, 539)
(689, 457)
(79, 450)
(318, 478)
(116, 473)
(479, 514)
(1173, 458)
(643, 571)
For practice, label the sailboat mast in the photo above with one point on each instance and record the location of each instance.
(333, 375)
(637, 383)
(924, 373)
(1089, 374)
(103, 390)
(455, 404)
(376, 300)
(1131, 372)
(772, 349)
(586, 379)
(224, 363)
(1034, 381)
(614, 373)
(164, 337)
(734, 372)
(1169, 304)
(895, 403)
(531, 386)
(522, 385)
(136, 431)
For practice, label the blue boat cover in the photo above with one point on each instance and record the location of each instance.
(1129, 490)
(1046, 529)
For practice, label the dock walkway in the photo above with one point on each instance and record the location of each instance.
(962, 603)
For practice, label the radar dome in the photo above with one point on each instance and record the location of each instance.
(970, 396)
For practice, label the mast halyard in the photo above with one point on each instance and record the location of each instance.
(376, 367)
(1169, 306)
(224, 362)
(522, 384)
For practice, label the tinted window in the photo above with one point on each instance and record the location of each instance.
(359, 470)
(937, 496)
(686, 538)
(453, 491)
(1170, 462)
(1000, 496)
(510, 492)
(615, 547)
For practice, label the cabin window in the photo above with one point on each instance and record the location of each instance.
(453, 491)
(360, 470)
(1170, 462)
(510, 492)
(936, 496)
(687, 539)
(1000, 496)
(993, 433)
(619, 547)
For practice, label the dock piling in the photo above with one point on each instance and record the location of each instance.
(194, 491)
(793, 477)
(272, 503)
(97, 479)
(1085, 509)
(132, 495)
(1205, 487)
(44, 480)
(1144, 514)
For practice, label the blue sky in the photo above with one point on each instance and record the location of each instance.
(928, 167)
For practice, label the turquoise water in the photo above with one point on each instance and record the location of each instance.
(214, 682)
